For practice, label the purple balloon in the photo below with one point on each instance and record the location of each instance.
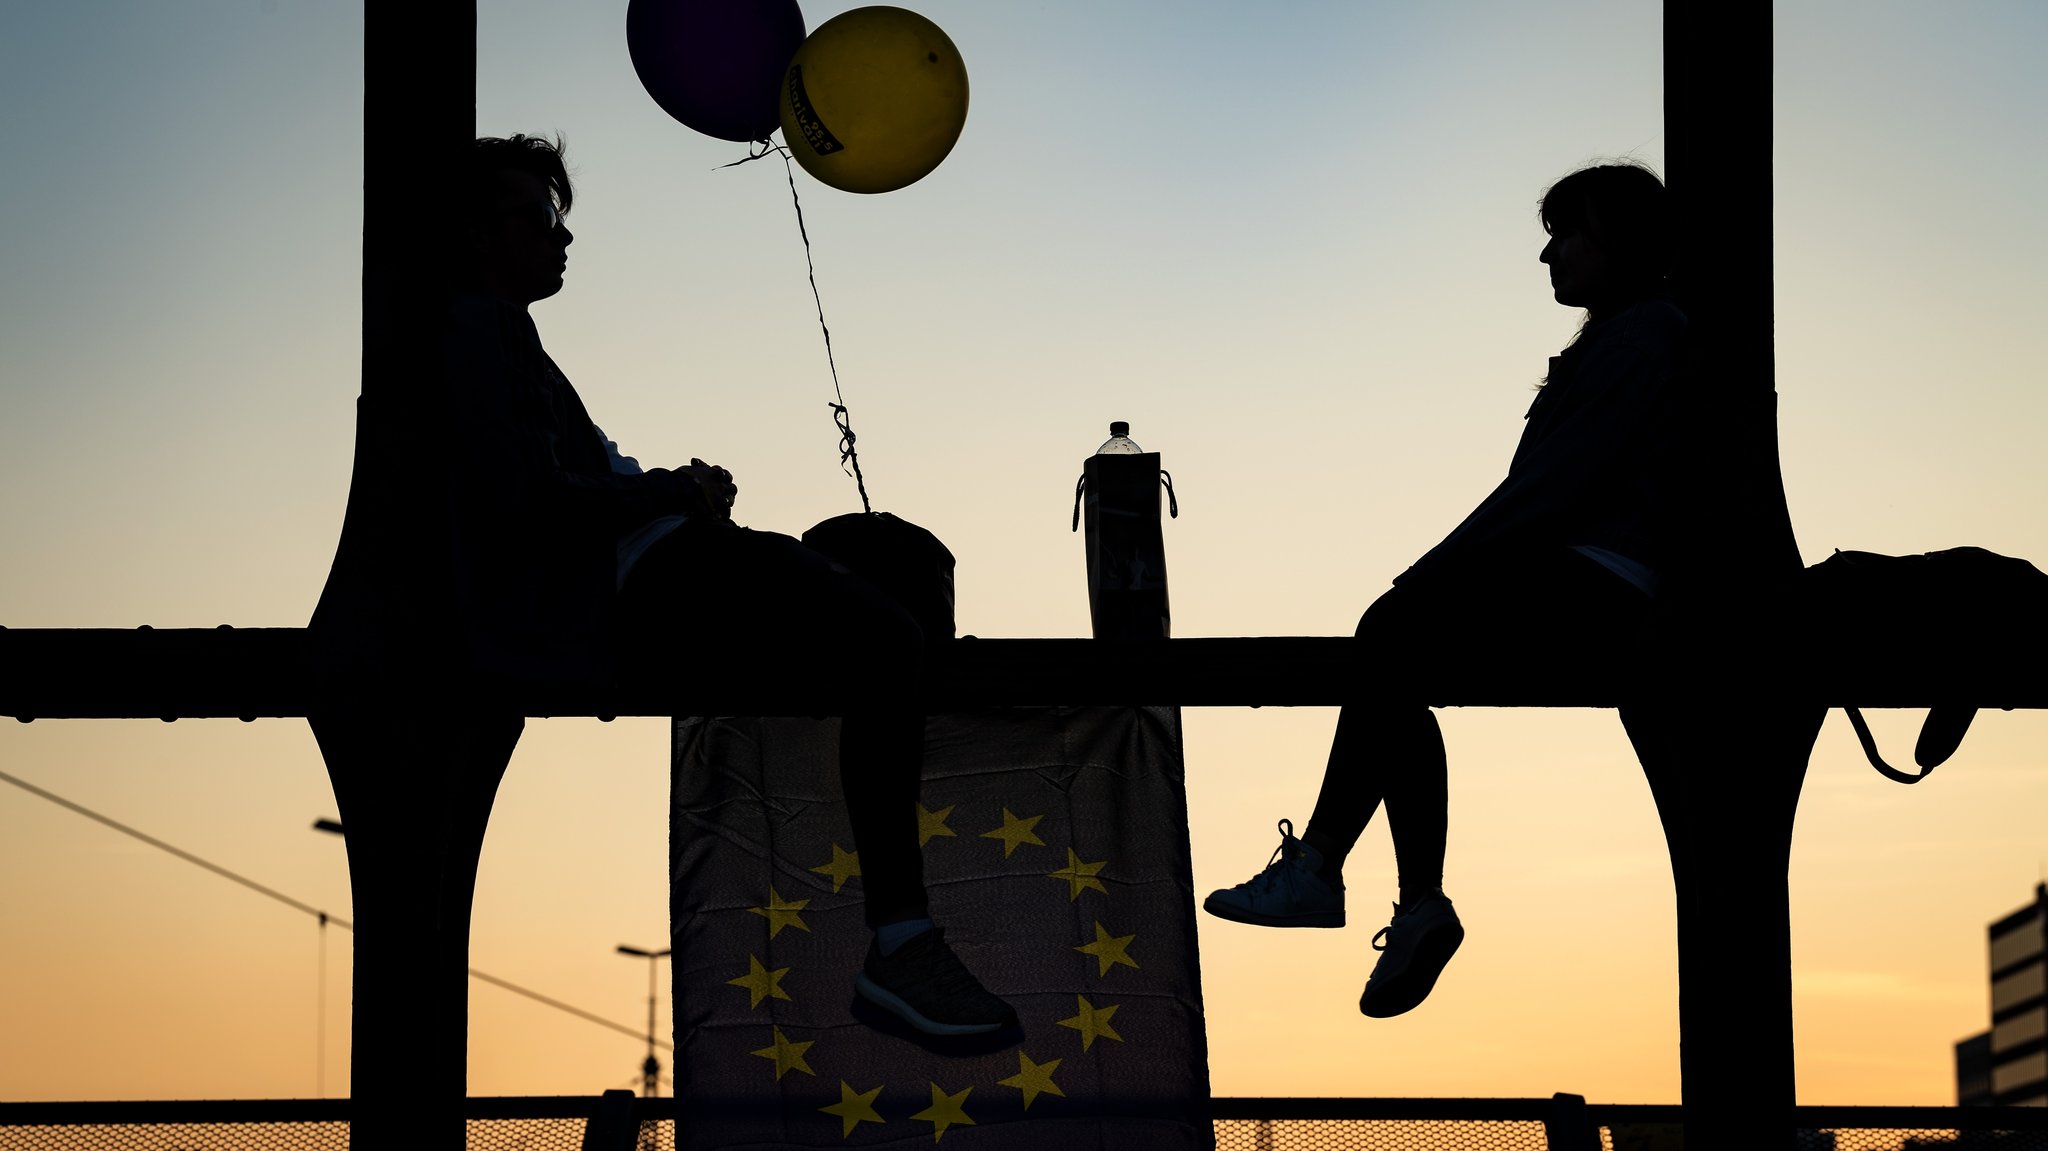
(716, 65)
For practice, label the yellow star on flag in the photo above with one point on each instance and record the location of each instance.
(1092, 1021)
(1033, 1079)
(945, 1111)
(932, 824)
(790, 1056)
(853, 1108)
(844, 866)
(781, 913)
(760, 982)
(1015, 832)
(1079, 876)
(1108, 951)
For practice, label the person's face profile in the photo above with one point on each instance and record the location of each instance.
(1581, 276)
(520, 241)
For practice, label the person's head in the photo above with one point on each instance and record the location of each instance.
(1610, 237)
(514, 196)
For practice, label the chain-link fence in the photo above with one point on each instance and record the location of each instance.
(569, 1124)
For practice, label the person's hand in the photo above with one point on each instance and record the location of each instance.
(716, 486)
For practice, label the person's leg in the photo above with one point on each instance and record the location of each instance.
(1383, 749)
(881, 758)
(1533, 609)
(763, 606)
(1543, 609)
(1393, 754)
(1537, 609)
(1390, 750)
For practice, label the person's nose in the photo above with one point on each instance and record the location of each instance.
(568, 237)
(1544, 255)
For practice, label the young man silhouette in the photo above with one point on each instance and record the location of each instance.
(575, 564)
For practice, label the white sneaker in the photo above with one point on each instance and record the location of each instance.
(1288, 893)
(1419, 942)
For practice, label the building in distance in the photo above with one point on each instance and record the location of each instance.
(2008, 1065)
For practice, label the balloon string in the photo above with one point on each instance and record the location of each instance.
(849, 459)
(768, 148)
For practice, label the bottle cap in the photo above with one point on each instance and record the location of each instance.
(1119, 428)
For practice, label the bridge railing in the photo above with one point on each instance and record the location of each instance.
(619, 1121)
(1725, 755)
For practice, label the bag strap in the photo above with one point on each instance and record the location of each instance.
(1869, 743)
(1940, 735)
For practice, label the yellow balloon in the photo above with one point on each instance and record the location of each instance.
(874, 99)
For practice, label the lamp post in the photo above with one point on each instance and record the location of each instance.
(331, 827)
(650, 1071)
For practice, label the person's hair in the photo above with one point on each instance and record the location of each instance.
(1625, 208)
(537, 156)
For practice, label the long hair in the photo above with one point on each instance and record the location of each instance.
(1624, 207)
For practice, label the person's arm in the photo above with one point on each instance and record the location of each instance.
(622, 464)
(511, 443)
(715, 483)
(622, 500)
(1619, 395)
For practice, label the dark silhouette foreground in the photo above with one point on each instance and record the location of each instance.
(571, 565)
(1565, 556)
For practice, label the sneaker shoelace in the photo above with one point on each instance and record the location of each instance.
(1288, 851)
(1382, 933)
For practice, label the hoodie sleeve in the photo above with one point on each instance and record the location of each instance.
(529, 444)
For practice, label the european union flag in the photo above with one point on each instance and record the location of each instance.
(1056, 854)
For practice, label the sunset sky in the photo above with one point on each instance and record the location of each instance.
(1294, 244)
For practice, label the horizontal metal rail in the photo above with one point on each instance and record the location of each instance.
(1222, 1109)
(247, 673)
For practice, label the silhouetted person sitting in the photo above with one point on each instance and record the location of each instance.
(1562, 558)
(579, 565)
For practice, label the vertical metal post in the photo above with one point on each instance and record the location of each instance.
(414, 769)
(614, 1127)
(1725, 768)
(1568, 1127)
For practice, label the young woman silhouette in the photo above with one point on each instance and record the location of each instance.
(1562, 558)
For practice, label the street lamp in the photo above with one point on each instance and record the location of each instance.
(650, 1071)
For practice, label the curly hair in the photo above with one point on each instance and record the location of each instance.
(537, 156)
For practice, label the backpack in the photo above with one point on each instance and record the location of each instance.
(1965, 613)
(904, 561)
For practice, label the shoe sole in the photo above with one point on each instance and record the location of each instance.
(1305, 919)
(1406, 992)
(889, 1001)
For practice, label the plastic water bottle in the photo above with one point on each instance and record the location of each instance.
(1119, 442)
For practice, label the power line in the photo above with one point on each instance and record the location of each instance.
(160, 845)
(576, 1011)
(299, 905)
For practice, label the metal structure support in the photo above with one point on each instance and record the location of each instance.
(1725, 766)
(413, 774)
(416, 795)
